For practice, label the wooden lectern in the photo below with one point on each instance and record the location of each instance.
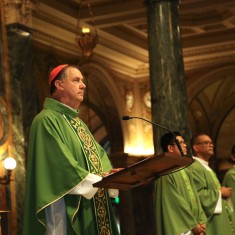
(144, 171)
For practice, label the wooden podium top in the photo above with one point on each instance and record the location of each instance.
(144, 171)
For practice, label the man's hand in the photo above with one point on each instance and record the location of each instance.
(226, 192)
(112, 171)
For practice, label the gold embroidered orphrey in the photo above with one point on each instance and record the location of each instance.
(94, 165)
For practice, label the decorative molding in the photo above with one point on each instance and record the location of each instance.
(225, 48)
(56, 43)
(58, 21)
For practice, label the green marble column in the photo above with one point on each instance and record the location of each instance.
(169, 102)
(24, 104)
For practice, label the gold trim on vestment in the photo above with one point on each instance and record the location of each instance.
(94, 165)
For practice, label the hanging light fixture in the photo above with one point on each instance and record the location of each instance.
(86, 38)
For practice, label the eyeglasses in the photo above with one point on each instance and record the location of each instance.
(205, 143)
(180, 142)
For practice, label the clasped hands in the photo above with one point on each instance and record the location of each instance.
(200, 229)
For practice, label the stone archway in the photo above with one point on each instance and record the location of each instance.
(103, 100)
(211, 101)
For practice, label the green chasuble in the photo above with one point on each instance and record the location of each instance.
(62, 152)
(178, 208)
(229, 181)
(207, 186)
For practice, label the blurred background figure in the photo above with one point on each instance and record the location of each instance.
(229, 178)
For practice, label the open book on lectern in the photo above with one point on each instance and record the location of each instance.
(144, 171)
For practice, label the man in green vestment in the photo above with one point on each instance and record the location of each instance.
(178, 209)
(229, 178)
(213, 197)
(64, 161)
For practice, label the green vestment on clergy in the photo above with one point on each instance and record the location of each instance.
(62, 152)
(229, 181)
(208, 191)
(178, 209)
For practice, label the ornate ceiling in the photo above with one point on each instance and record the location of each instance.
(207, 27)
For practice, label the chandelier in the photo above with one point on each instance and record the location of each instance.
(86, 37)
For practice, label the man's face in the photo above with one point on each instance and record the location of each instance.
(174, 149)
(204, 147)
(72, 88)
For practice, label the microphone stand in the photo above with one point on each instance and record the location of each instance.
(125, 118)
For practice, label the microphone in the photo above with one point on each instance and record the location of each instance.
(125, 118)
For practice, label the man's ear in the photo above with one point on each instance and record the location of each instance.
(195, 148)
(233, 157)
(58, 84)
(170, 148)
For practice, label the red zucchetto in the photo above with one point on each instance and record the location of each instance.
(55, 72)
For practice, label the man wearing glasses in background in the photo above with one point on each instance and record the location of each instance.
(213, 197)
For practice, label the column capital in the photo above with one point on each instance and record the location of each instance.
(18, 12)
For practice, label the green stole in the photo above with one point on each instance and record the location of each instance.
(190, 191)
(94, 165)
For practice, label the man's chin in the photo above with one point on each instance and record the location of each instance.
(81, 99)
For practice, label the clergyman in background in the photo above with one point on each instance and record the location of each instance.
(213, 197)
(178, 210)
(229, 178)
